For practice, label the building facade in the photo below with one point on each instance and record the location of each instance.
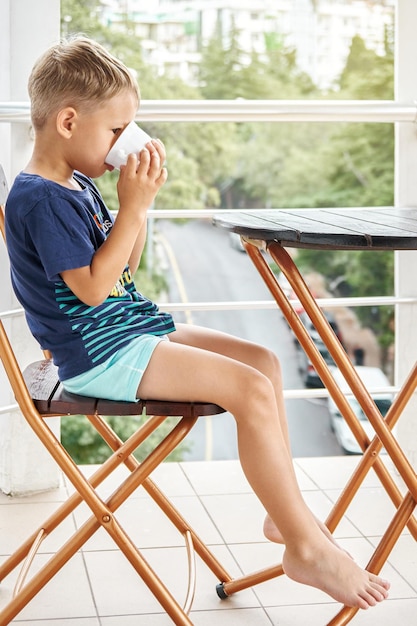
(173, 32)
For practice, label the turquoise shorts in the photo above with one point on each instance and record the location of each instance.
(117, 378)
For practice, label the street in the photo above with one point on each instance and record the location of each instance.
(201, 265)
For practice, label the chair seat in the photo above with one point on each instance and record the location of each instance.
(50, 398)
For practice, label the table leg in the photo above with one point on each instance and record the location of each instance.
(281, 256)
(371, 458)
(404, 505)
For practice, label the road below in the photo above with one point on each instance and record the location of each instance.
(201, 265)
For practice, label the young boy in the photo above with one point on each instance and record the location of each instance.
(72, 271)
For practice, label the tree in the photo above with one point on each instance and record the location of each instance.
(280, 167)
(227, 71)
(358, 162)
(80, 17)
(360, 157)
(221, 74)
(366, 74)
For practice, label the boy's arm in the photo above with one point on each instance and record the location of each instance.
(137, 188)
(136, 254)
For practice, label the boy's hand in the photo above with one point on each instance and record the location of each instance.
(140, 179)
(139, 182)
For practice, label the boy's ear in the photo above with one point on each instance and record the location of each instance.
(65, 121)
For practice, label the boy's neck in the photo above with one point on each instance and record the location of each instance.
(61, 175)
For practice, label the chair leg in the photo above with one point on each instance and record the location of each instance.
(226, 589)
(227, 586)
(69, 506)
(114, 442)
(108, 521)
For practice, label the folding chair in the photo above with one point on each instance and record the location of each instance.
(40, 395)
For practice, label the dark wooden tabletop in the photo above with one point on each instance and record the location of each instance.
(380, 228)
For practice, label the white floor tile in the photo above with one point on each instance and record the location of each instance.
(19, 521)
(67, 595)
(217, 501)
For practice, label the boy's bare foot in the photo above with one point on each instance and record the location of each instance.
(272, 533)
(332, 571)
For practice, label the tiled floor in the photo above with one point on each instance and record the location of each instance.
(99, 588)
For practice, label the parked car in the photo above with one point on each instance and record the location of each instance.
(308, 373)
(374, 379)
(313, 332)
(305, 367)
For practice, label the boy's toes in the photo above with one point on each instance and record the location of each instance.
(378, 589)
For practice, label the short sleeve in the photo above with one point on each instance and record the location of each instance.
(62, 235)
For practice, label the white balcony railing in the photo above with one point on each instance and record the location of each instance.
(254, 111)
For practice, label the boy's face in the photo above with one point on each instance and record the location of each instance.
(95, 132)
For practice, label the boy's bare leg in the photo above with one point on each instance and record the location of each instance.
(180, 372)
(264, 361)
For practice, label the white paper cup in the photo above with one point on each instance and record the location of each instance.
(131, 140)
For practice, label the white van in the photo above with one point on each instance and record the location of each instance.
(375, 381)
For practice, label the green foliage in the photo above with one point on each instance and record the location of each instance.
(313, 165)
(227, 72)
(358, 159)
(268, 165)
(86, 446)
(200, 158)
(151, 282)
(360, 166)
(367, 75)
(358, 162)
(371, 274)
(281, 165)
(80, 17)
(221, 70)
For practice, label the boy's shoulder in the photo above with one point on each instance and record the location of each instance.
(33, 187)
(25, 180)
(31, 194)
(34, 199)
(25, 192)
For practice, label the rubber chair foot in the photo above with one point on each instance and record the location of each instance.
(221, 592)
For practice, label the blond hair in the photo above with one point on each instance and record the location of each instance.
(78, 72)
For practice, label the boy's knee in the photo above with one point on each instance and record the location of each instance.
(272, 366)
(260, 390)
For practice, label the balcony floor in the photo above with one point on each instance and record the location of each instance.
(99, 588)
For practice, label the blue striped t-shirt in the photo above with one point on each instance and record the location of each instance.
(50, 229)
